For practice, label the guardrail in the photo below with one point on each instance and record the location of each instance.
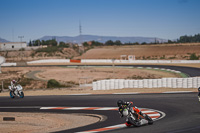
(193, 82)
(114, 61)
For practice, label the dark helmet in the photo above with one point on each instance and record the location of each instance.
(199, 89)
(119, 103)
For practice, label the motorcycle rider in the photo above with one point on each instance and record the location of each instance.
(13, 83)
(121, 103)
(199, 93)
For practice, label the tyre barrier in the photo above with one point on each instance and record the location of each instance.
(193, 82)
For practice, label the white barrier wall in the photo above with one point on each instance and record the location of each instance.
(113, 61)
(193, 82)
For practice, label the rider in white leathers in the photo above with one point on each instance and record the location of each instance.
(13, 85)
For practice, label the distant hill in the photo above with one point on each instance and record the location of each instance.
(103, 39)
(3, 40)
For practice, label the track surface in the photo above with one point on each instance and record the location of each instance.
(187, 70)
(182, 110)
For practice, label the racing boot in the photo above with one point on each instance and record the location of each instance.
(128, 124)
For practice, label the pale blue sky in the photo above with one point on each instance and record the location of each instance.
(33, 19)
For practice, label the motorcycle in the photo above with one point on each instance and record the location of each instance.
(135, 118)
(16, 92)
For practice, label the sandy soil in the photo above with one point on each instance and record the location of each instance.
(43, 122)
(95, 73)
(175, 51)
(74, 76)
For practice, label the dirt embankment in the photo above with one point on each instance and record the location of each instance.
(146, 52)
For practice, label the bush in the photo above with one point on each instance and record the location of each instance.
(48, 49)
(52, 83)
(194, 57)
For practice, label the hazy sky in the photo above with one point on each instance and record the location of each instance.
(33, 19)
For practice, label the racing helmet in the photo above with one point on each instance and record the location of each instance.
(13, 81)
(120, 103)
(199, 89)
(125, 112)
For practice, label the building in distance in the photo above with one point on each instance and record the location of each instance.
(12, 45)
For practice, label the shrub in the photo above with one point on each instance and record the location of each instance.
(194, 57)
(52, 83)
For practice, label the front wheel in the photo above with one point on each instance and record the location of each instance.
(134, 122)
(21, 94)
(150, 121)
(12, 95)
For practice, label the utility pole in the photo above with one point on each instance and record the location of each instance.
(80, 33)
(21, 39)
(21, 44)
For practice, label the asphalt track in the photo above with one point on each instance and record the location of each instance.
(182, 110)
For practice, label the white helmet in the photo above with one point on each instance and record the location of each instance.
(125, 112)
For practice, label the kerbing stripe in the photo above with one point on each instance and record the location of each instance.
(107, 108)
(178, 92)
(154, 114)
(126, 93)
(104, 129)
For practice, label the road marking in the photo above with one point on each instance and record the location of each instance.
(104, 129)
(22, 107)
(127, 93)
(79, 94)
(178, 92)
(81, 108)
(154, 114)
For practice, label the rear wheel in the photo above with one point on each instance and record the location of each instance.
(12, 95)
(21, 95)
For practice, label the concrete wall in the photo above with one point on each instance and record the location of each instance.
(118, 61)
(193, 82)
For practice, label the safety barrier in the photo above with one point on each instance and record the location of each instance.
(50, 61)
(114, 61)
(2, 60)
(193, 82)
(9, 64)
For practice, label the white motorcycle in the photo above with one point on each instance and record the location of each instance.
(16, 92)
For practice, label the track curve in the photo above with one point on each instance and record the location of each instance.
(182, 110)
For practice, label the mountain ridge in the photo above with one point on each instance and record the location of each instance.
(103, 39)
(3, 40)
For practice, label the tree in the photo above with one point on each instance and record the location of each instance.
(109, 42)
(30, 43)
(85, 44)
(117, 42)
(189, 39)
